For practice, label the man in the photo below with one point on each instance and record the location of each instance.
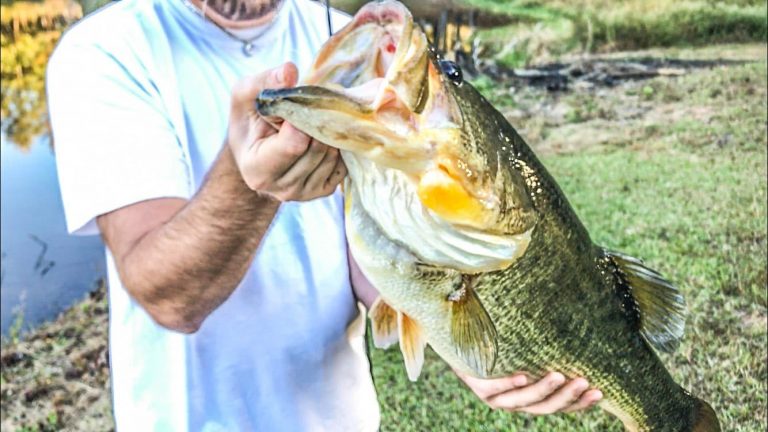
(229, 284)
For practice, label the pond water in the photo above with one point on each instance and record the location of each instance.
(43, 270)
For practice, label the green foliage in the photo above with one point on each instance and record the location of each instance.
(37, 13)
(677, 23)
(517, 57)
(489, 89)
(14, 331)
(546, 29)
(22, 70)
(53, 421)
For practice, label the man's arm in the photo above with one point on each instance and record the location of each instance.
(181, 259)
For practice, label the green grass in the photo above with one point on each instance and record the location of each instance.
(682, 23)
(545, 29)
(700, 220)
(662, 188)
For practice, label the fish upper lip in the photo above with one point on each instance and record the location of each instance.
(308, 96)
(381, 11)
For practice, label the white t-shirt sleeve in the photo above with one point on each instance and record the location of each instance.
(114, 142)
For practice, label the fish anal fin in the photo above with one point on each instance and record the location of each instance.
(383, 323)
(412, 344)
(472, 330)
(652, 300)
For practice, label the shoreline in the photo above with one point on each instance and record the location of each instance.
(57, 376)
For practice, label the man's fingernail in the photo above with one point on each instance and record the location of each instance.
(581, 385)
(598, 397)
(519, 380)
(556, 379)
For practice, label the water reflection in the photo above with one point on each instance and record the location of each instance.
(42, 269)
(22, 70)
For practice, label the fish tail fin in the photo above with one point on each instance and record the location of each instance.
(704, 418)
(647, 298)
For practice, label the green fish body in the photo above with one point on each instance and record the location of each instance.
(470, 242)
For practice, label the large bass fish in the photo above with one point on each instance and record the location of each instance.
(471, 243)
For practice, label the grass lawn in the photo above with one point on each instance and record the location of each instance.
(544, 30)
(687, 193)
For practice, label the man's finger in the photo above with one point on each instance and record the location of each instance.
(279, 152)
(528, 395)
(337, 175)
(297, 173)
(488, 388)
(261, 129)
(275, 122)
(587, 399)
(563, 398)
(315, 181)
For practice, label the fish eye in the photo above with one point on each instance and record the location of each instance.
(451, 70)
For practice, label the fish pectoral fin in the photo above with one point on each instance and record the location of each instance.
(472, 331)
(383, 323)
(659, 304)
(412, 343)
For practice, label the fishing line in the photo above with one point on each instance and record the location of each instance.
(328, 17)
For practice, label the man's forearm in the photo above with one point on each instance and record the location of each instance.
(185, 268)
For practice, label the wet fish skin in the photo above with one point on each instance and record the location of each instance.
(559, 302)
(564, 286)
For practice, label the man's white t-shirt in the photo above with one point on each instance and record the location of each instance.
(139, 98)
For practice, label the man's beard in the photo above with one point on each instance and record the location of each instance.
(242, 10)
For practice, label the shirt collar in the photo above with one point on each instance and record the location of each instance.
(202, 27)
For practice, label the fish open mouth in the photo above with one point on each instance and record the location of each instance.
(378, 93)
(416, 165)
(369, 90)
(380, 58)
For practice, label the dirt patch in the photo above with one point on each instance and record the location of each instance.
(57, 378)
(718, 107)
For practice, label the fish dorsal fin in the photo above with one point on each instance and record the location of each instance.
(472, 331)
(658, 304)
(383, 324)
(412, 343)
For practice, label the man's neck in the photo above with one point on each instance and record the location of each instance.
(238, 14)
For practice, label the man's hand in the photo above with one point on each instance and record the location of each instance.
(274, 157)
(180, 259)
(519, 393)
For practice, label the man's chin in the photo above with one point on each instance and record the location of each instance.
(261, 12)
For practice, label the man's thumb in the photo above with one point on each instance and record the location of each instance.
(282, 76)
(247, 89)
